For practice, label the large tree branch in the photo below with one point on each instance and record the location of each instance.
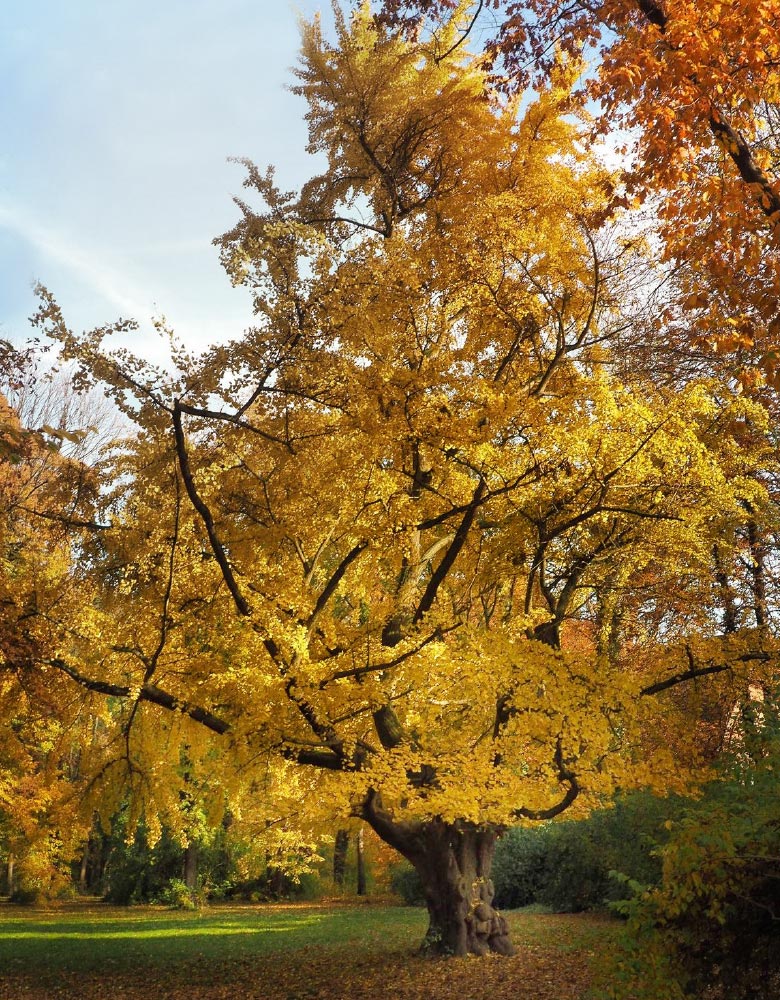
(322, 759)
(695, 672)
(231, 418)
(66, 519)
(147, 692)
(567, 777)
(372, 668)
(334, 581)
(205, 514)
(445, 565)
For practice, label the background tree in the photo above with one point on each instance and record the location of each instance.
(46, 503)
(363, 558)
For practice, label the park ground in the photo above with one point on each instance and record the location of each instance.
(293, 952)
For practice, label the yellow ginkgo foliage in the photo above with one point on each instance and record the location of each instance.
(367, 559)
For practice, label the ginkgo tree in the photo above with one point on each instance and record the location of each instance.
(364, 559)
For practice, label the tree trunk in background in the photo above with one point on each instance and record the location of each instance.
(84, 869)
(730, 619)
(758, 572)
(191, 865)
(361, 864)
(340, 857)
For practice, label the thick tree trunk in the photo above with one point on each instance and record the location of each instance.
(453, 861)
(455, 871)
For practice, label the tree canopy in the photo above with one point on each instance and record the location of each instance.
(690, 90)
(419, 547)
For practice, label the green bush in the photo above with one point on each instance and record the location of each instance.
(567, 865)
(711, 926)
(577, 868)
(405, 882)
(178, 896)
(26, 895)
(520, 867)
(273, 884)
(138, 873)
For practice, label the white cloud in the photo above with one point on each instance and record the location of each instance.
(64, 250)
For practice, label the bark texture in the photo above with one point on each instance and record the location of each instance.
(454, 868)
(454, 862)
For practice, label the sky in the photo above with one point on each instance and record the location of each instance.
(117, 120)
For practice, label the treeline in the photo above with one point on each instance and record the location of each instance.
(130, 870)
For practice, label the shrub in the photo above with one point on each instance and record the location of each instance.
(26, 895)
(137, 873)
(567, 865)
(520, 867)
(274, 884)
(405, 882)
(711, 926)
(178, 896)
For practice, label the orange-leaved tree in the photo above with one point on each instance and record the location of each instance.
(366, 554)
(692, 88)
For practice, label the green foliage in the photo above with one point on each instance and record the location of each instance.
(274, 884)
(520, 866)
(25, 895)
(178, 896)
(571, 866)
(711, 926)
(138, 873)
(405, 882)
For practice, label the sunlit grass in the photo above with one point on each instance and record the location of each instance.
(85, 939)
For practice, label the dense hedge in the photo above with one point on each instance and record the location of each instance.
(567, 865)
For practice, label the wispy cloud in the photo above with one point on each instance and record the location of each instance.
(63, 248)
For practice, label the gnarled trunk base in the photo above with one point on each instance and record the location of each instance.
(467, 923)
(453, 861)
(454, 867)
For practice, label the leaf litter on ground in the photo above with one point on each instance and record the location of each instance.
(553, 962)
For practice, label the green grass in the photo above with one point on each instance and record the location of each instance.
(84, 937)
(295, 952)
(81, 938)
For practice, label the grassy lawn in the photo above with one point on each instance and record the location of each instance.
(292, 952)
